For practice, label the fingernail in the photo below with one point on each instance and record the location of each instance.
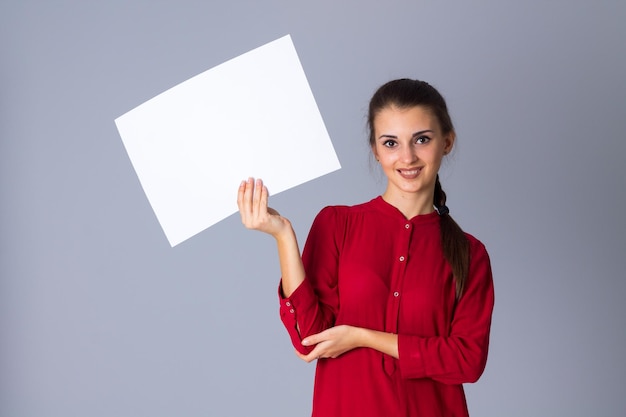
(305, 342)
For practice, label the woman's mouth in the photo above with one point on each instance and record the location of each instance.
(409, 174)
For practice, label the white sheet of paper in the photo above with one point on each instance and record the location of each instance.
(254, 115)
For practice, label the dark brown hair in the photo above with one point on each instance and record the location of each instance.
(406, 93)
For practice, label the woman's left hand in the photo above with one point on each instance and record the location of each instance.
(331, 342)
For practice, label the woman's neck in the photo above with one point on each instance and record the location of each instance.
(410, 205)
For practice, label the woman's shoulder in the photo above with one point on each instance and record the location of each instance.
(340, 210)
(474, 242)
(478, 251)
(337, 220)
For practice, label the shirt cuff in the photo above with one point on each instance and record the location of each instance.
(301, 301)
(410, 357)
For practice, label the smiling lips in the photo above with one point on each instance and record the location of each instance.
(409, 174)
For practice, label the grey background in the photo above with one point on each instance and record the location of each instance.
(100, 317)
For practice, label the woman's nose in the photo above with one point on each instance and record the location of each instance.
(408, 154)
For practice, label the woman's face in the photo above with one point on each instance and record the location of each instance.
(409, 146)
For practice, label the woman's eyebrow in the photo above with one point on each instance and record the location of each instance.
(422, 132)
(385, 136)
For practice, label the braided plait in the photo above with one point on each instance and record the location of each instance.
(453, 241)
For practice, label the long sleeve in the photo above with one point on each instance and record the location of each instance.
(461, 355)
(313, 306)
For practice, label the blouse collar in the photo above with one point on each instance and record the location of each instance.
(390, 210)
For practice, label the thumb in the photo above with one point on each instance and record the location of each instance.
(272, 211)
(307, 358)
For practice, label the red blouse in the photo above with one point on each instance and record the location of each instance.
(368, 266)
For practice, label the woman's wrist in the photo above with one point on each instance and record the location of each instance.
(367, 338)
(285, 232)
(381, 341)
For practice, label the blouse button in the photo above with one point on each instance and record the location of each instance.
(288, 304)
(395, 294)
(401, 259)
(406, 226)
(291, 311)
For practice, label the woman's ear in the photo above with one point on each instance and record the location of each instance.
(374, 152)
(448, 143)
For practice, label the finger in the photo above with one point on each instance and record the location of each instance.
(300, 355)
(314, 339)
(257, 209)
(246, 203)
(310, 357)
(264, 197)
(240, 191)
(247, 195)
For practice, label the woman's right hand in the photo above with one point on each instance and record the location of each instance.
(255, 214)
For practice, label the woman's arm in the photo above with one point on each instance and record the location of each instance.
(340, 339)
(307, 306)
(252, 200)
(461, 355)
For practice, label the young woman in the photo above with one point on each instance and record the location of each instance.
(391, 297)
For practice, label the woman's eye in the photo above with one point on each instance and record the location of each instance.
(422, 139)
(389, 143)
